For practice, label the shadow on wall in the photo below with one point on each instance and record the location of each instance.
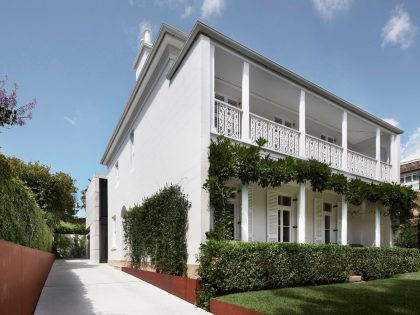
(63, 292)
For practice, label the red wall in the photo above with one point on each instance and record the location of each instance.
(180, 286)
(222, 308)
(23, 272)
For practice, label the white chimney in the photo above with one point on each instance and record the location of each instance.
(147, 35)
(144, 52)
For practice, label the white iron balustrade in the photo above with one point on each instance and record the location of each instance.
(323, 151)
(279, 138)
(228, 119)
(360, 164)
(386, 172)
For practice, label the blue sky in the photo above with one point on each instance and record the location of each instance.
(75, 58)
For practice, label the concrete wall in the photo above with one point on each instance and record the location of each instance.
(23, 272)
(171, 138)
(92, 218)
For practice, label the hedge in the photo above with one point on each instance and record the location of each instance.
(229, 266)
(70, 228)
(21, 220)
(155, 231)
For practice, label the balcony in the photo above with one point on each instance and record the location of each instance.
(278, 138)
(285, 140)
(250, 102)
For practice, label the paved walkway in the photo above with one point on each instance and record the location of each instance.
(78, 287)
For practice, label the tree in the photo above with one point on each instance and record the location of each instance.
(10, 114)
(54, 192)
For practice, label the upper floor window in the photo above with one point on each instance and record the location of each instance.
(132, 149)
(117, 173)
(228, 99)
(284, 122)
(328, 138)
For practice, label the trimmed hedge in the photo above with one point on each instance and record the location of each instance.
(155, 231)
(21, 220)
(70, 228)
(229, 266)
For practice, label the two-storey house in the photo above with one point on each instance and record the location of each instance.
(191, 88)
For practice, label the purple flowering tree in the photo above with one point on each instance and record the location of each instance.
(10, 113)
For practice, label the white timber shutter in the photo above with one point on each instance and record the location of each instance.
(250, 212)
(318, 216)
(272, 217)
(339, 210)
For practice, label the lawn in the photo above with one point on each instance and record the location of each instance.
(397, 295)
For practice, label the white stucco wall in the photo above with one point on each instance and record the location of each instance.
(171, 137)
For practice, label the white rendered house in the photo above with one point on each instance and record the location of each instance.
(191, 88)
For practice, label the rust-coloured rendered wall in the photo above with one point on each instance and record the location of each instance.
(23, 272)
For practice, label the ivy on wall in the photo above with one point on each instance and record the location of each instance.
(155, 231)
(233, 160)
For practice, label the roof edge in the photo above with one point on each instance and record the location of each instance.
(164, 29)
(201, 28)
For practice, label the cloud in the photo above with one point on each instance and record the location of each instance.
(328, 9)
(392, 121)
(399, 30)
(188, 10)
(412, 145)
(71, 121)
(211, 7)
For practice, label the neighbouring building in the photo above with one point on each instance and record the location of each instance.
(410, 171)
(189, 89)
(410, 174)
(97, 219)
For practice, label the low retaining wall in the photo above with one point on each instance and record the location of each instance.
(23, 272)
(182, 287)
(221, 308)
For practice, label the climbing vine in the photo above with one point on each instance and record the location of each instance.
(248, 164)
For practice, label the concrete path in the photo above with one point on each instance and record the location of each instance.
(78, 287)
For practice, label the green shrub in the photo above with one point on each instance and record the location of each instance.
(406, 236)
(21, 220)
(70, 228)
(69, 246)
(229, 266)
(156, 230)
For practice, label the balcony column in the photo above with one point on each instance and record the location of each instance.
(378, 153)
(377, 226)
(245, 101)
(302, 124)
(244, 213)
(344, 221)
(301, 214)
(212, 92)
(344, 145)
(395, 158)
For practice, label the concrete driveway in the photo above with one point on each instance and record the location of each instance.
(78, 287)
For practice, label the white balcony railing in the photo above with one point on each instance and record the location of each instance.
(279, 138)
(386, 172)
(360, 164)
(323, 151)
(228, 120)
